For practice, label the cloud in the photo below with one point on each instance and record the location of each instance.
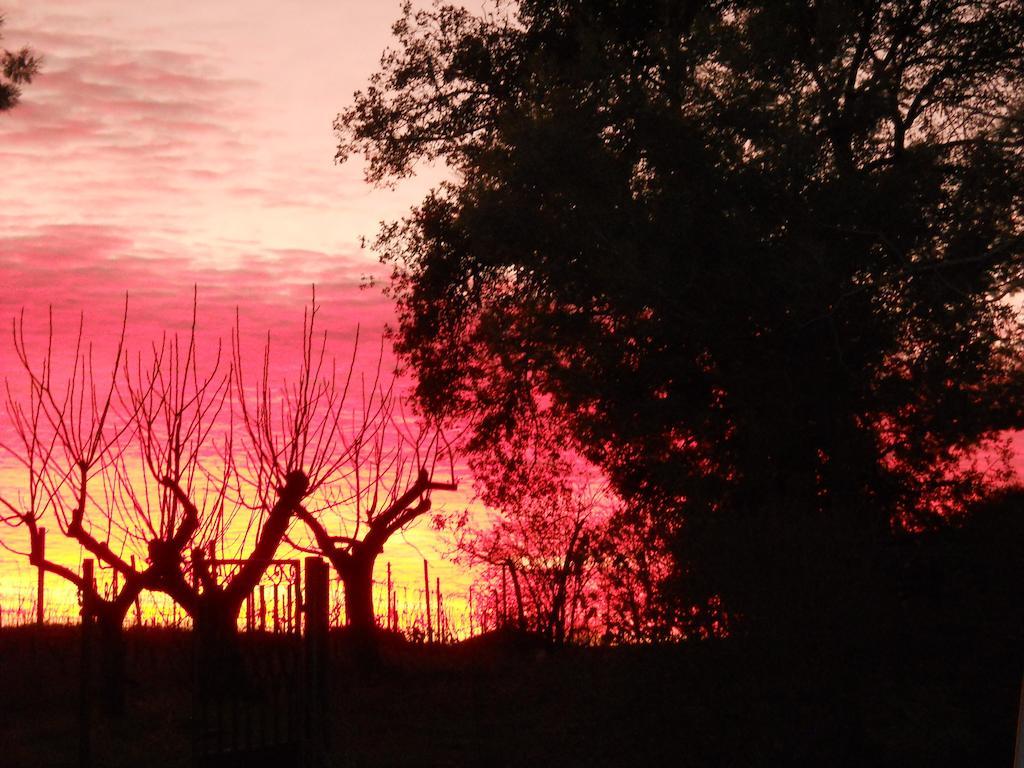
(88, 270)
(156, 111)
(113, 129)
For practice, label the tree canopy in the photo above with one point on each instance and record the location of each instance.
(760, 256)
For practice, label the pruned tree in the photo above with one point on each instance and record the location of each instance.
(234, 459)
(174, 456)
(388, 485)
(67, 441)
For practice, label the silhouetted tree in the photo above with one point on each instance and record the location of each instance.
(633, 574)
(387, 487)
(64, 435)
(535, 543)
(175, 458)
(17, 68)
(236, 458)
(756, 254)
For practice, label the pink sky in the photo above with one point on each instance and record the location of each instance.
(170, 144)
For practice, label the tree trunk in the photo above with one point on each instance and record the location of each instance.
(110, 635)
(358, 578)
(361, 621)
(520, 613)
(218, 657)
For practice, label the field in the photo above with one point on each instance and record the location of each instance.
(504, 700)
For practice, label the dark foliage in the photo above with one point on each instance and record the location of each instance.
(755, 254)
(17, 68)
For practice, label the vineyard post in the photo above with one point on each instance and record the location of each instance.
(138, 602)
(85, 679)
(389, 597)
(426, 600)
(440, 622)
(41, 578)
(277, 612)
(317, 607)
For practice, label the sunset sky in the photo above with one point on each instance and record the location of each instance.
(167, 145)
(171, 144)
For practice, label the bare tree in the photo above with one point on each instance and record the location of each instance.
(183, 474)
(541, 544)
(386, 488)
(535, 545)
(68, 441)
(235, 460)
(175, 455)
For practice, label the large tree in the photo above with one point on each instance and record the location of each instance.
(757, 254)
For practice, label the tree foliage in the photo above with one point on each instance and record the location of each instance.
(17, 68)
(757, 255)
(542, 539)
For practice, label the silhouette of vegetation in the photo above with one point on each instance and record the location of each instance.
(758, 256)
(536, 547)
(722, 300)
(387, 486)
(63, 437)
(938, 687)
(17, 68)
(181, 476)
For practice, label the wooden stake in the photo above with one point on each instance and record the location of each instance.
(317, 608)
(426, 599)
(263, 609)
(138, 603)
(440, 622)
(389, 597)
(41, 579)
(85, 680)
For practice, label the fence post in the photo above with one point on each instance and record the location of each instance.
(41, 578)
(277, 612)
(389, 597)
(440, 616)
(316, 606)
(85, 671)
(426, 599)
(297, 588)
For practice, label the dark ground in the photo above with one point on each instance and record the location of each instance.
(499, 701)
